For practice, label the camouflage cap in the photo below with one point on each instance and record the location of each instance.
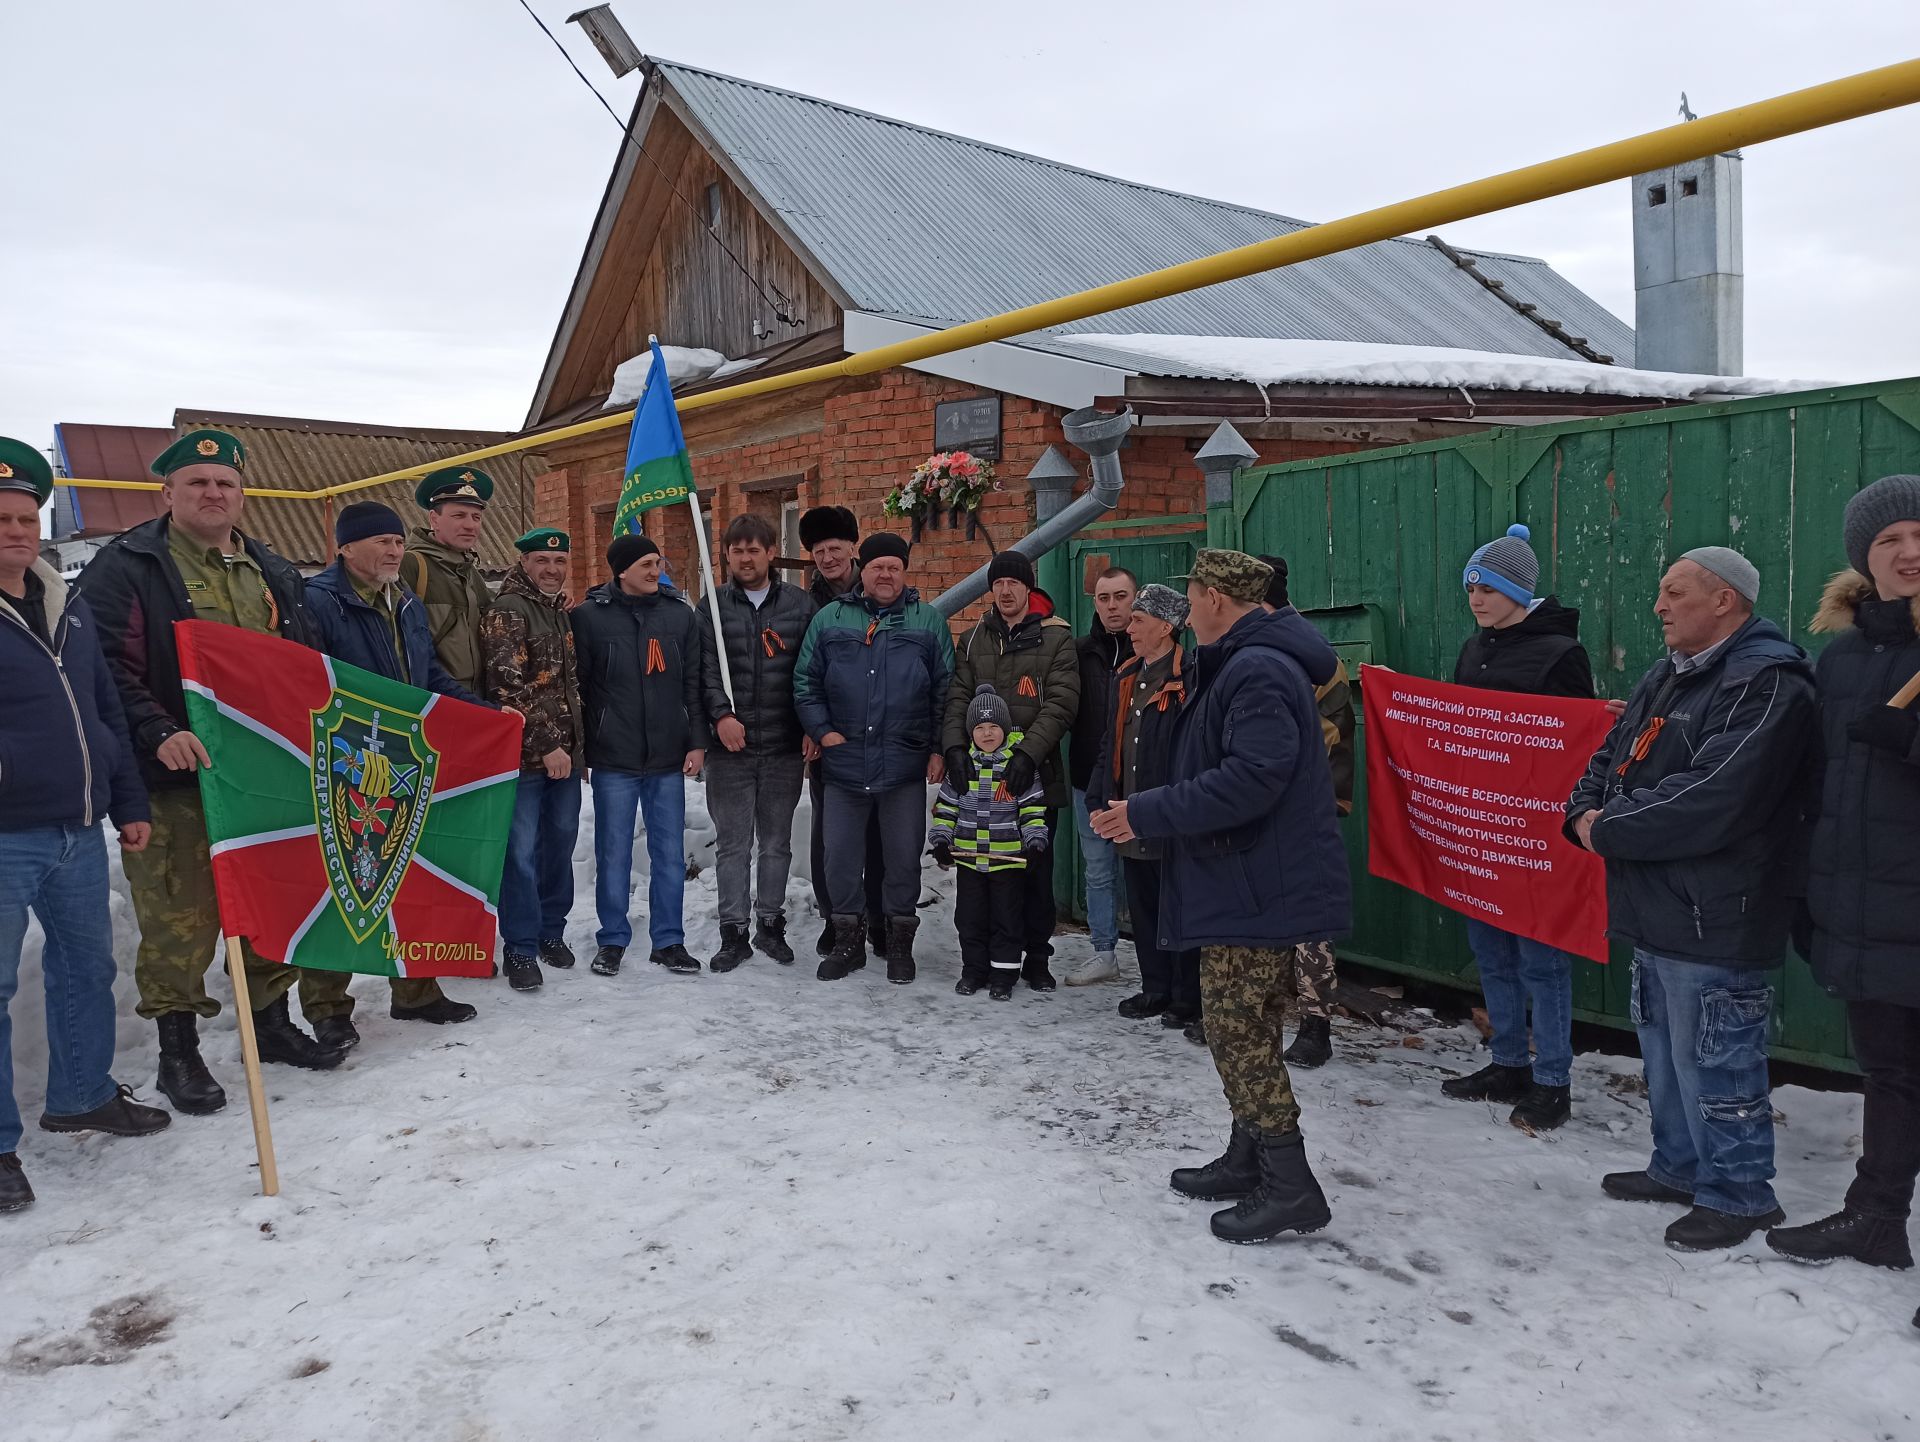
(1232, 573)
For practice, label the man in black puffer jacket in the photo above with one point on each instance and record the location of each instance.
(638, 654)
(755, 770)
(1699, 801)
(1864, 886)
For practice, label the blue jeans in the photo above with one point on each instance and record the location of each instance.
(1513, 971)
(1102, 864)
(60, 872)
(536, 886)
(1703, 1037)
(661, 800)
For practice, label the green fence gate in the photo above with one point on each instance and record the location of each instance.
(1376, 541)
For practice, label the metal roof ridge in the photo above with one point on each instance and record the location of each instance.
(318, 426)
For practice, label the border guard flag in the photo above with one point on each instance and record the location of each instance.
(355, 824)
(658, 471)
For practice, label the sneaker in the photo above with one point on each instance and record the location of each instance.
(118, 1116)
(676, 959)
(1140, 1006)
(1877, 1241)
(1492, 1083)
(770, 939)
(523, 972)
(1542, 1109)
(1101, 966)
(1705, 1230)
(606, 961)
(555, 952)
(1639, 1187)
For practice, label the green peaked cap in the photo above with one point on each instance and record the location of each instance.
(200, 448)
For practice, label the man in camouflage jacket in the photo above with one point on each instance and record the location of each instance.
(526, 643)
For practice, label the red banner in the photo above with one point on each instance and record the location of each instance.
(1466, 792)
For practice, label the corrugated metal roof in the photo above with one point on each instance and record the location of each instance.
(309, 455)
(918, 223)
(105, 453)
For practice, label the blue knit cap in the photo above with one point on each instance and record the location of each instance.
(1508, 565)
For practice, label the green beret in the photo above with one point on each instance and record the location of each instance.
(1232, 573)
(544, 539)
(22, 468)
(454, 483)
(201, 448)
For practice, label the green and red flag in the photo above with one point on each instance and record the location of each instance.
(658, 471)
(355, 824)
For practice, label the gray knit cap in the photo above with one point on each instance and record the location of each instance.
(1508, 565)
(1887, 501)
(1730, 566)
(1163, 603)
(988, 705)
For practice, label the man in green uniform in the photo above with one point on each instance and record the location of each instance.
(193, 563)
(443, 567)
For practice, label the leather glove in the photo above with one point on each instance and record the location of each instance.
(1886, 729)
(942, 854)
(1020, 773)
(960, 767)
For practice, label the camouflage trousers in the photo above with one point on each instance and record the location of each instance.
(1313, 977)
(1244, 992)
(324, 993)
(179, 916)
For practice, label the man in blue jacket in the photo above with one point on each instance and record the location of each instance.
(1701, 802)
(65, 760)
(367, 618)
(1253, 868)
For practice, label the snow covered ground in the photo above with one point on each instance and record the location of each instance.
(757, 1206)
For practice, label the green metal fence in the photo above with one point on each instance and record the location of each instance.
(1375, 543)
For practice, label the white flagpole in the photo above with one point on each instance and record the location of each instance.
(713, 593)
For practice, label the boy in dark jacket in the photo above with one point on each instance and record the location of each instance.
(1698, 801)
(638, 651)
(1864, 888)
(993, 835)
(65, 760)
(1530, 646)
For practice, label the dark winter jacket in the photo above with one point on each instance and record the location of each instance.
(526, 641)
(65, 756)
(1122, 768)
(1254, 855)
(136, 594)
(1705, 835)
(1034, 667)
(878, 676)
(985, 828)
(639, 660)
(1864, 881)
(1099, 654)
(822, 592)
(350, 630)
(763, 646)
(1540, 655)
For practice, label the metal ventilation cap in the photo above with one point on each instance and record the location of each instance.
(1226, 451)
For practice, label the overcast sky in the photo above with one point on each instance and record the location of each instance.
(371, 210)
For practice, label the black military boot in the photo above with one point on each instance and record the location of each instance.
(119, 1116)
(1492, 1083)
(184, 1079)
(606, 961)
(900, 931)
(337, 1033)
(16, 1194)
(555, 952)
(280, 1039)
(523, 972)
(734, 948)
(1034, 971)
(770, 938)
(849, 952)
(1227, 1177)
(1312, 1044)
(1877, 1241)
(441, 1011)
(1706, 1229)
(1288, 1198)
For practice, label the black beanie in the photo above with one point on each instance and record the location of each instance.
(828, 523)
(627, 549)
(1277, 587)
(884, 543)
(1011, 566)
(366, 518)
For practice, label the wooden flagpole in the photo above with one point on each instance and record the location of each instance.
(1902, 698)
(250, 1054)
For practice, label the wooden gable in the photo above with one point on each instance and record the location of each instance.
(658, 263)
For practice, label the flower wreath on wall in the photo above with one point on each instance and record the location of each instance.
(951, 483)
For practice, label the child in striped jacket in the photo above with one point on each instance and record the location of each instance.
(979, 825)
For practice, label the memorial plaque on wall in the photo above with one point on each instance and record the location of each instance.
(970, 425)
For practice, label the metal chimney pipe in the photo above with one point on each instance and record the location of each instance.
(1099, 435)
(1223, 457)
